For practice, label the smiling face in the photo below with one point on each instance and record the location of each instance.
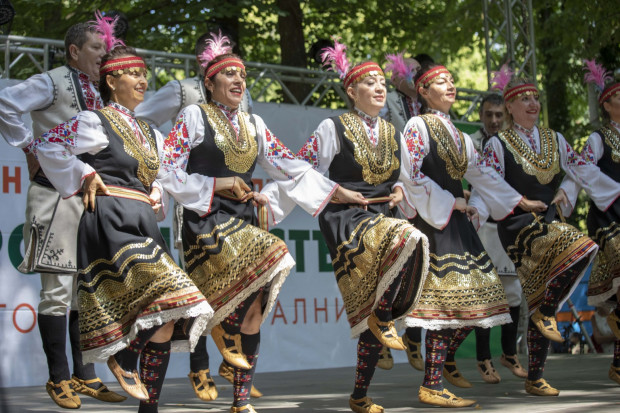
(440, 94)
(524, 110)
(227, 87)
(128, 89)
(88, 57)
(369, 94)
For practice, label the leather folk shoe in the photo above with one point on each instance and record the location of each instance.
(548, 326)
(203, 385)
(512, 363)
(364, 405)
(100, 391)
(488, 372)
(385, 332)
(614, 323)
(233, 354)
(248, 408)
(135, 388)
(413, 353)
(386, 361)
(540, 387)
(455, 377)
(63, 394)
(442, 398)
(227, 372)
(614, 374)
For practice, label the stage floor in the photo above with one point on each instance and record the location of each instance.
(582, 380)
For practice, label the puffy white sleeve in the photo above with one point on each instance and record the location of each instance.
(305, 186)
(405, 182)
(163, 106)
(500, 198)
(431, 201)
(602, 189)
(163, 211)
(58, 148)
(318, 153)
(193, 191)
(35, 93)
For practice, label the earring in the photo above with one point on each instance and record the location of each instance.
(113, 89)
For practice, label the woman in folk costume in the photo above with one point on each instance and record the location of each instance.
(208, 161)
(602, 149)
(379, 261)
(401, 104)
(462, 290)
(491, 106)
(550, 256)
(130, 290)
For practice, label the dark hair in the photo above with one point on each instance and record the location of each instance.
(493, 99)
(211, 63)
(424, 67)
(423, 58)
(77, 35)
(118, 51)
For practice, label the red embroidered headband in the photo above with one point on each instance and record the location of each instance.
(520, 90)
(609, 92)
(430, 75)
(123, 65)
(361, 71)
(229, 62)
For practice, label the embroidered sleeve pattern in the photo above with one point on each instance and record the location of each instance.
(572, 157)
(415, 148)
(588, 154)
(64, 134)
(309, 152)
(275, 151)
(491, 159)
(176, 148)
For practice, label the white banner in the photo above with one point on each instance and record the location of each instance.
(307, 329)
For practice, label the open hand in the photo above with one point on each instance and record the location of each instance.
(92, 184)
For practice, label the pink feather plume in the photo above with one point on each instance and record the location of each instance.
(105, 26)
(335, 58)
(500, 78)
(217, 45)
(596, 74)
(399, 67)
